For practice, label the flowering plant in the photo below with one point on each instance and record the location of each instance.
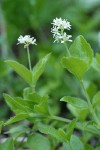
(59, 34)
(49, 131)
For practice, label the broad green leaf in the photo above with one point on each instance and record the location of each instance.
(96, 99)
(81, 49)
(81, 57)
(32, 95)
(21, 70)
(42, 107)
(46, 129)
(79, 113)
(76, 66)
(62, 133)
(17, 118)
(28, 104)
(66, 146)
(1, 124)
(8, 145)
(76, 102)
(39, 68)
(75, 143)
(70, 128)
(38, 142)
(14, 105)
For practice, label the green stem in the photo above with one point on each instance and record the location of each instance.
(68, 52)
(90, 105)
(29, 60)
(78, 125)
(60, 119)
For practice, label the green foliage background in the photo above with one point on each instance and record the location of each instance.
(34, 17)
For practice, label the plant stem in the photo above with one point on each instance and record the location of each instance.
(29, 60)
(89, 104)
(67, 49)
(30, 67)
(60, 119)
(65, 120)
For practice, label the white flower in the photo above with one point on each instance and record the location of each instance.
(26, 40)
(58, 38)
(57, 22)
(58, 30)
(66, 24)
(65, 38)
(60, 23)
(55, 30)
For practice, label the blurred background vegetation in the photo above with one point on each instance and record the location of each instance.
(34, 17)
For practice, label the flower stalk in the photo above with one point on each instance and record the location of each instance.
(68, 52)
(29, 59)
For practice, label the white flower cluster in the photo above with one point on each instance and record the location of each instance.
(26, 40)
(59, 26)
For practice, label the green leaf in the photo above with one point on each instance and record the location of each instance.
(63, 134)
(15, 105)
(79, 113)
(42, 107)
(8, 145)
(1, 124)
(46, 129)
(28, 104)
(38, 142)
(81, 49)
(33, 96)
(66, 146)
(76, 102)
(75, 143)
(81, 57)
(96, 99)
(16, 118)
(21, 70)
(39, 68)
(76, 66)
(70, 128)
